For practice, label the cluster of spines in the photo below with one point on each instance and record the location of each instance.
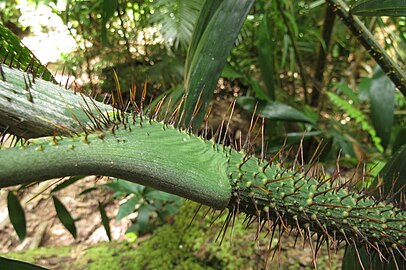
(32, 67)
(289, 200)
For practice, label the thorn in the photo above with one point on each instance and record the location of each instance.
(67, 82)
(43, 71)
(195, 110)
(229, 120)
(63, 71)
(248, 139)
(5, 58)
(262, 157)
(158, 108)
(194, 217)
(144, 93)
(278, 179)
(206, 121)
(312, 248)
(28, 89)
(235, 214)
(224, 227)
(10, 65)
(3, 76)
(359, 257)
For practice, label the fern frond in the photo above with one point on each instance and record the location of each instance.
(359, 118)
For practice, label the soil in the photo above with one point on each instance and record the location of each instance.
(43, 226)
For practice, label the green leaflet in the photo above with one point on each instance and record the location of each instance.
(395, 8)
(64, 216)
(266, 57)
(64, 116)
(17, 215)
(274, 110)
(105, 220)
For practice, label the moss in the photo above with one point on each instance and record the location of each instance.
(46, 257)
(106, 256)
(193, 246)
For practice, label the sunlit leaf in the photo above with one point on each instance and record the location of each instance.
(17, 215)
(9, 264)
(64, 216)
(395, 8)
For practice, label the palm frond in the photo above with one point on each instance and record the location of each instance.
(176, 20)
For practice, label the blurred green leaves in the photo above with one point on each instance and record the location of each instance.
(145, 206)
(274, 110)
(176, 20)
(109, 7)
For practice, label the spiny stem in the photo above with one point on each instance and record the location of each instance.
(139, 149)
(43, 109)
(149, 155)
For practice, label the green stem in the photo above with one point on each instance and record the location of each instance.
(27, 110)
(148, 153)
